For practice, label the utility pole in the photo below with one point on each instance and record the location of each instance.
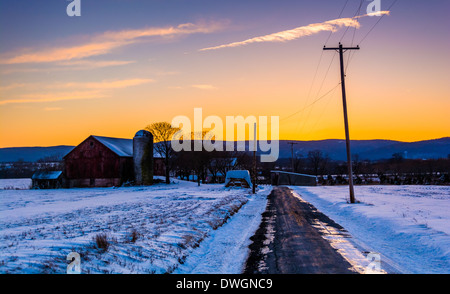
(292, 154)
(341, 51)
(254, 161)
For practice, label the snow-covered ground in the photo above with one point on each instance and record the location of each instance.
(182, 228)
(155, 229)
(408, 225)
(225, 251)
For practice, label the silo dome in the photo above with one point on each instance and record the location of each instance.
(143, 133)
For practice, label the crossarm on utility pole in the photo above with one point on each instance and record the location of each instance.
(343, 48)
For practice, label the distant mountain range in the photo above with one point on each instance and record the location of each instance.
(334, 148)
(371, 149)
(33, 154)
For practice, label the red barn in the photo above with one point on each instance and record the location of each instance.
(103, 162)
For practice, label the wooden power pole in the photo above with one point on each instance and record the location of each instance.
(341, 51)
(292, 155)
(254, 161)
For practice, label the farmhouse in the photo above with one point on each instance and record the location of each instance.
(104, 162)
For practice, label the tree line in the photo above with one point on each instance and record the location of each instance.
(395, 170)
(211, 167)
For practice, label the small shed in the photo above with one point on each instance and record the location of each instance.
(292, 179)
(47, 180)
(239, 178)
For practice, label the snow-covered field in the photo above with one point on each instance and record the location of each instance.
(182, 228)
(408, 225)
(158, 229)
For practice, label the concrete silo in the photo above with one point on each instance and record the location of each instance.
(143, 157)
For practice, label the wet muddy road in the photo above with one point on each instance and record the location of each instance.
(288, 240)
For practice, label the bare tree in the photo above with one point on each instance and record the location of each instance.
(357, 164)
(212, 165)
(162, 135)
(299, 163)
(318, 162)
(221, 162)
(201, 158)
(227, 161)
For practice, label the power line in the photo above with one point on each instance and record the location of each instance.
(357, 13)
(326, 75)
(373, 27)
(351, 55)
(358, 10)
(310, 89)
(317, 95)
(314, 102)
(340, 14)
(316, 71)
(311, 129)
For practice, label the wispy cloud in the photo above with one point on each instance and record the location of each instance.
(299, 32)
(12, 86)
(69, 66)
(106, 42)
(78, 91)
(78, 65)
(104, 85)
(53, 97)
(204, 87)
(92, 64)
(64, 53)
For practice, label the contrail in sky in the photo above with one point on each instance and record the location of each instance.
(303, 31)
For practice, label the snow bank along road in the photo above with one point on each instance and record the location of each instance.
(157, 229)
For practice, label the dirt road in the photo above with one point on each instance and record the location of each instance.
(288, 242)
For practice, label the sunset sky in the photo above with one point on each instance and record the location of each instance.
(124, 64)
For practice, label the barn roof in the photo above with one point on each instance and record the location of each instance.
(46, 175)
(122, 147)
